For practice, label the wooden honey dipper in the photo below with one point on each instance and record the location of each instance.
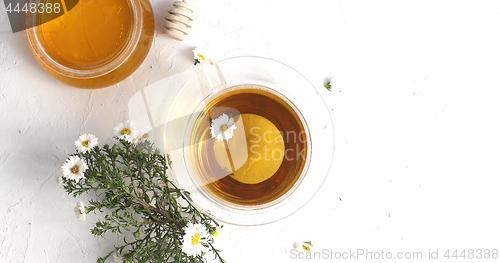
(179, 20)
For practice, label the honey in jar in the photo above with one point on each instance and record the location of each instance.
(96, 44)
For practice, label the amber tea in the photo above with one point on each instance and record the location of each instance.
(258, 160)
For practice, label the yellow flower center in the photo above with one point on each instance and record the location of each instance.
(201, 57)
(196, 239)
(216, 234)
(224, 127)
(145, 135)
(74, 169)
(306, 248)
(126, 131)
(86, 143)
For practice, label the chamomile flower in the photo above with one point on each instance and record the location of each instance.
(222, 127)
(74, 168)
(199, 55)
(126, 131)
(215, 232)
(194, 239)
(305, 247)
(85, 143)
(80, 211)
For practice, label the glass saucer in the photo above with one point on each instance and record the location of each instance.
(283, 80)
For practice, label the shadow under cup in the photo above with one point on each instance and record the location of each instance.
(265, 159)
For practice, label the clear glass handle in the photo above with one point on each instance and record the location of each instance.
(209, 76)
(176, 94)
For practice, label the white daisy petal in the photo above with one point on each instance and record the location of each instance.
(126, 131)
(59, 180)
(222, 127)
(74, 168)
(86, 142)
(146, 134)
(224, 118)
(305, 247)
(199, 54)
(194, 238)
(80, 211)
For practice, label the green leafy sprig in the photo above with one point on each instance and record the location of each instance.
(328, 85)
(133, 191)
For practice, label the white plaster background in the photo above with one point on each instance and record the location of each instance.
(415, 104)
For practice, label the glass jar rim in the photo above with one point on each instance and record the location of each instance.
(99, 70)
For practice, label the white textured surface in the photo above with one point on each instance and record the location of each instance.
(415, 102)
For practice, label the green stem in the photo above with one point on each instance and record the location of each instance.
(216, 252)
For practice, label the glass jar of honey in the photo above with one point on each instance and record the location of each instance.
(96, 44)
